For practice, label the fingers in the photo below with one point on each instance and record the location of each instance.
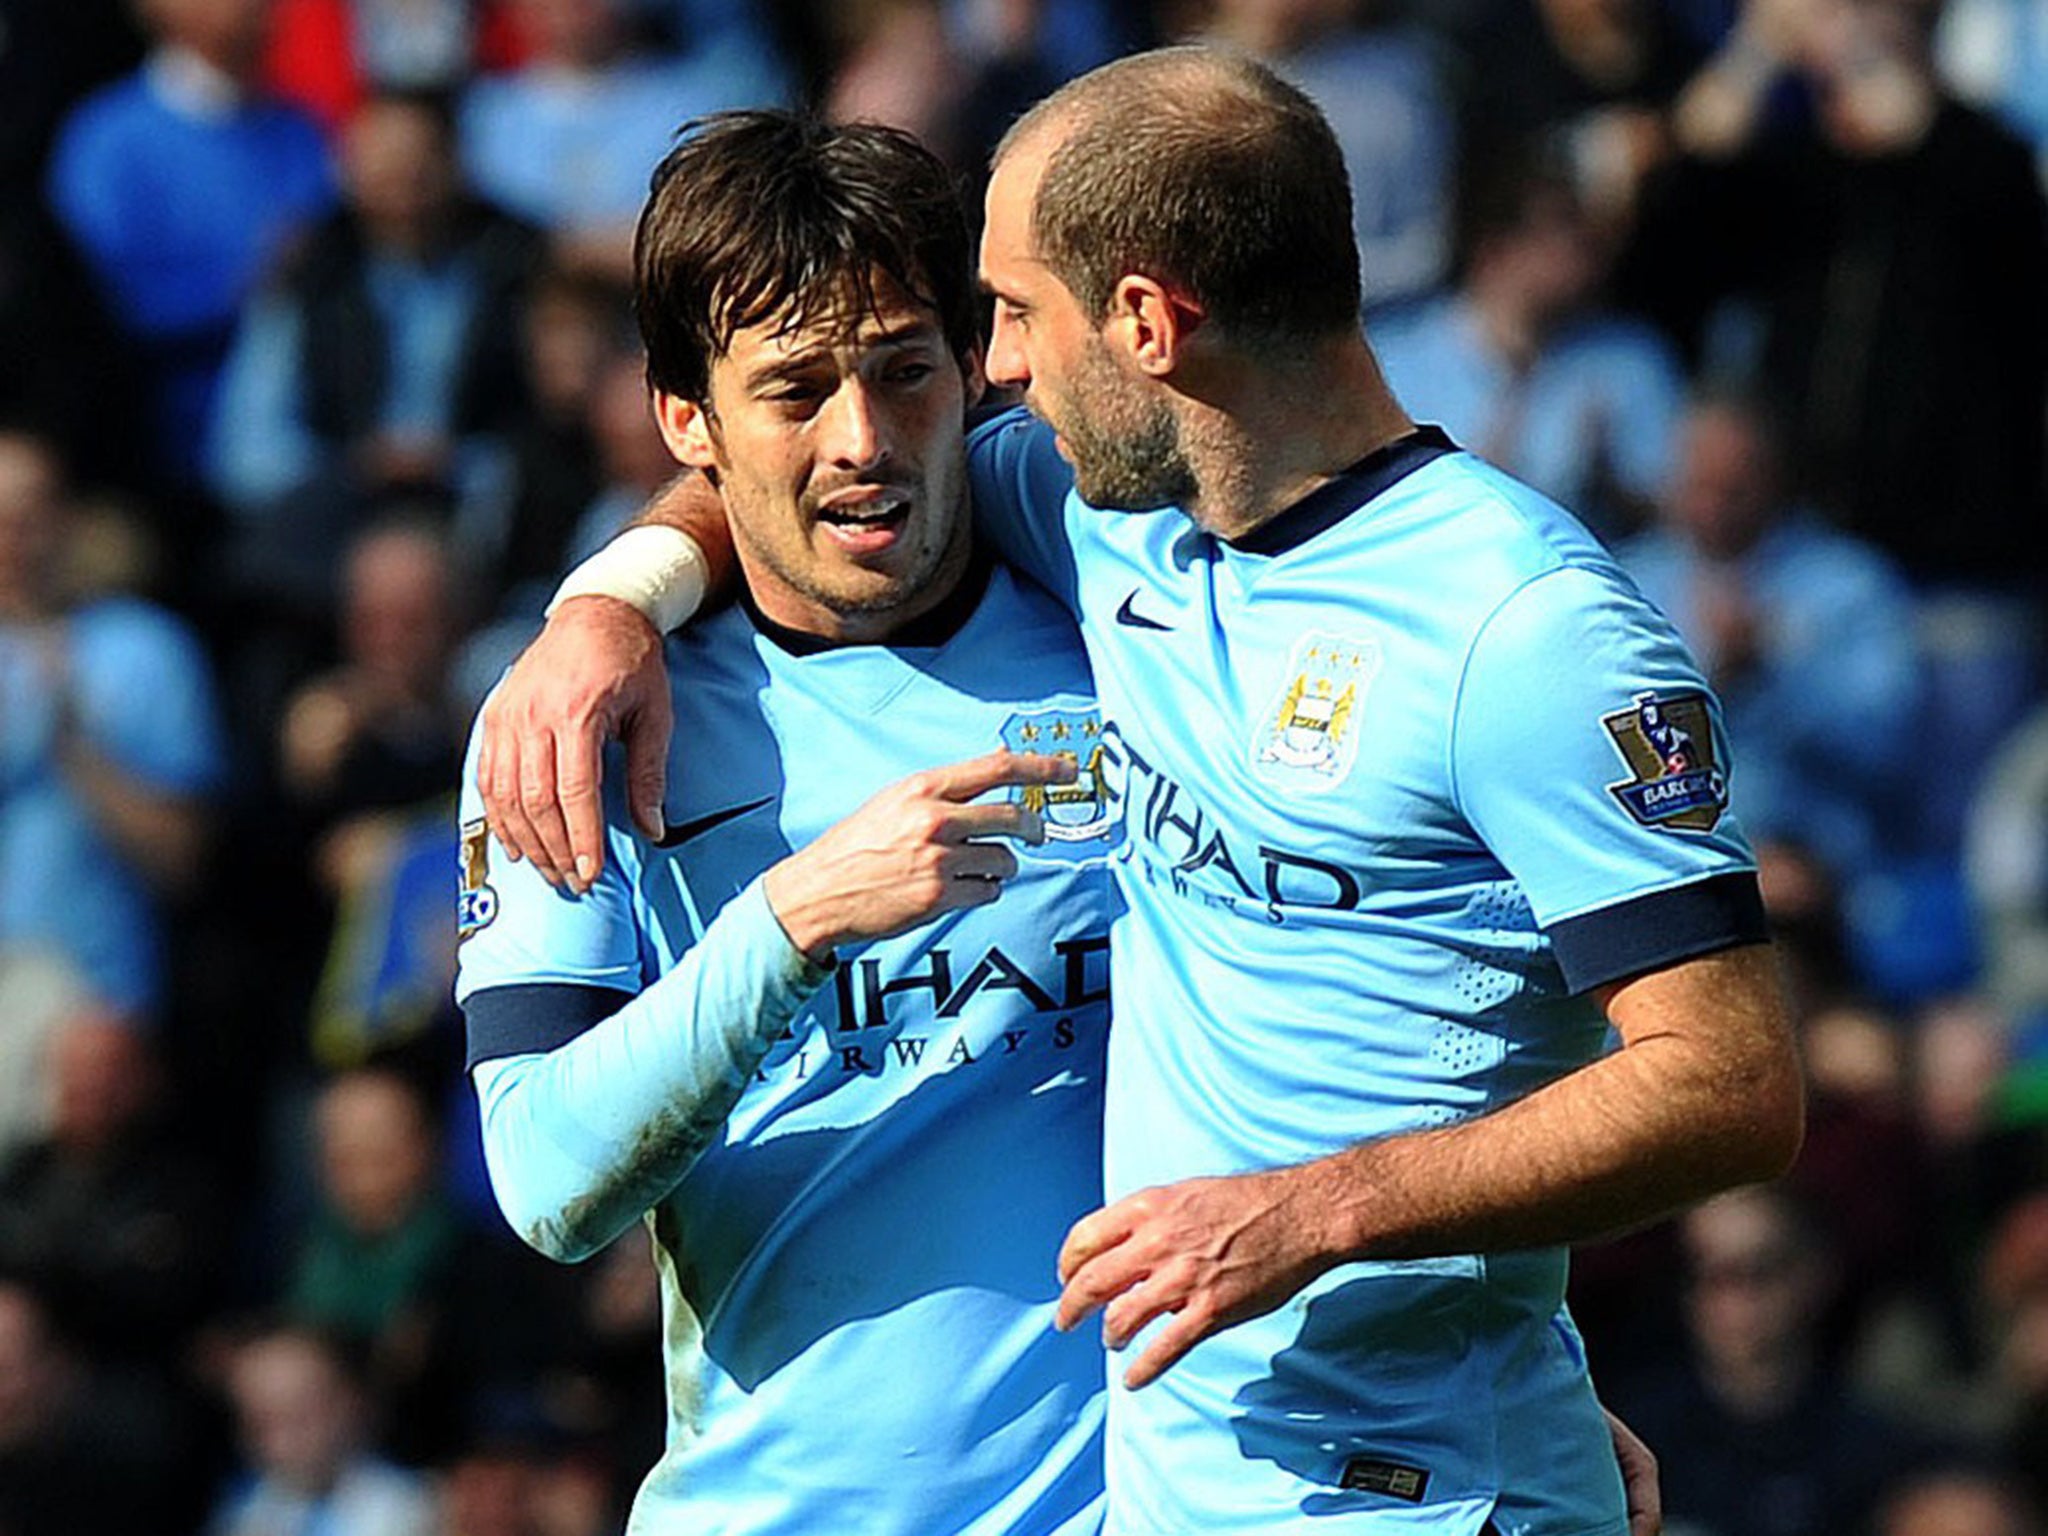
(1093, 1234)
(1005, 818)
(506, 808)
(1129, 1314)
(1188, 1328)
(994, 770)
(577, 769)
(647, 732)
(486, 769)
(539, 799)
(982, 861)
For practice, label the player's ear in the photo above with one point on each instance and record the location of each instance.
(686, 428)
(1150, 322)
(973, 376)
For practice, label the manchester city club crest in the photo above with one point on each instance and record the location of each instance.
(1667, 740)
(477, 903)
(1309, 733)
(1076, 816)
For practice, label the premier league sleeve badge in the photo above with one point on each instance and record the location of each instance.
(1667, 741)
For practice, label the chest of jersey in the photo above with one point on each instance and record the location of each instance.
(1278, 729)
(1017, 988)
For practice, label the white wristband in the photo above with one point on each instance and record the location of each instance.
(657, 568)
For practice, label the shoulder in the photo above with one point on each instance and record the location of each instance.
(1809, 552)
(1461, 515)
(132, 627)
(116, 115)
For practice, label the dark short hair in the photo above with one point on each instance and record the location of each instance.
(761, 213)
(1203, 169)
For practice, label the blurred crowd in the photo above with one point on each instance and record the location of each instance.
(317, 368)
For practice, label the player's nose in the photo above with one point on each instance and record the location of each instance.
(1006, 366)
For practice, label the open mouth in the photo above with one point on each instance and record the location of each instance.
(867, 524)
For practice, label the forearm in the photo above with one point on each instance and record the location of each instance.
(644, 572)
(164, 835)
(583, 1139)
(1675, 1115)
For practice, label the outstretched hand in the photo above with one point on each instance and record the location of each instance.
(593, 674)
(1209, 1252)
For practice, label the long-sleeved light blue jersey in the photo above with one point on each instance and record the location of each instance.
(1404, 773)
(857, 1181)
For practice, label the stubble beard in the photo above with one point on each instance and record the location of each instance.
(1125, 445)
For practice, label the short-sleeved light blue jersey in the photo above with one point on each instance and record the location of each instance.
(858, 1183)
(1403, 774)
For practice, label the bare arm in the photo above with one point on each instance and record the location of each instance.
(1704, 1093)
(594, 673)
(164, 834)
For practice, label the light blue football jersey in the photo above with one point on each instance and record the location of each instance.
(858, 1269)
(1403, 774)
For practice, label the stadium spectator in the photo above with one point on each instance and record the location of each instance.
(305, 1419)
(447, 1313)
(568, 140)
(83, 1452)
(330, 56)
(108, 1211)
(382, 360)
(576, 324)
(1381, 87)
(181, 187)
(110, 745)
(1591, 76)
(1761, 1437)
(379, 731)
(1524, 366)
(630, 452)
(1881, 262)
(1807, 633)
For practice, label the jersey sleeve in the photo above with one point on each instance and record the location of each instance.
(597, 1095)
(517, 931)
(1021, 487)
(1589, 756)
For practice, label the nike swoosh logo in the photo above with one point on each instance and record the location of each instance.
(1136, 620)
(683, 831)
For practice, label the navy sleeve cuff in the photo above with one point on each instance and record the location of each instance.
(517, 1021)
(1660, 929)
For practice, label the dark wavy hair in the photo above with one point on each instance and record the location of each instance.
(760, 214)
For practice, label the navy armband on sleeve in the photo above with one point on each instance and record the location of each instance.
(1663, 928)
(537, 1017)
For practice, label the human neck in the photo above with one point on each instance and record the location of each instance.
(805, 627)
(1259, 447)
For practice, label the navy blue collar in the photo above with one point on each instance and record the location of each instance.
(1348, 490)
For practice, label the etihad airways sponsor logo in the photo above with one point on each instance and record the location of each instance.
(1192, 854)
